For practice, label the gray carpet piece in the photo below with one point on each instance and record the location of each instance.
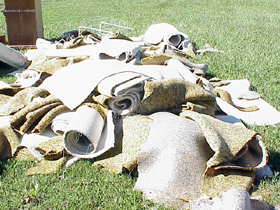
(172, 161)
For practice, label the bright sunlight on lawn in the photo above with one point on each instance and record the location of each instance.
(246, 30)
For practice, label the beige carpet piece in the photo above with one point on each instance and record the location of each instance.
(235, 147)
(124, 156)
(51, 149)
(9, 141)
(52, 65)
(224, 180)
(120, 49)
(50, 152)
(19, 116)
(266, 115)
(32, 116)
(23, 154)
(155, 60)
(228, 158)
(225, 96)
(74, 83)
(31, 140)
(47, 167)
(175, 94)
(47, 118)
(4, 99)
(208, 48)
(88, 39)
(21, 99)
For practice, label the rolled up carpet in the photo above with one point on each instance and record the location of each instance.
(84, 132)
(166, 33)
(61, 121)
(125, 90)
(127, 101)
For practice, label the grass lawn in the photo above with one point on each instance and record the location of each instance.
(246, 30)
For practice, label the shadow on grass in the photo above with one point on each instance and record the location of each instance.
(5, 69)
(254, 88)
(3, 166)
(275, 167)
(210, 75)
(274, 158)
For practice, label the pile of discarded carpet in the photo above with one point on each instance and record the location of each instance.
(138, 104)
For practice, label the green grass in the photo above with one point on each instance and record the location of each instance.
(248, 32)
(78, 187)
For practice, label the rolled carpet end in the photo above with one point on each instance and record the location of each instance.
(78, 144)
(83, 133)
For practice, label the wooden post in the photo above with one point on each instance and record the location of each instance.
(24, 21)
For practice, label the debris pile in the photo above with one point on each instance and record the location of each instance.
(137, 104)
